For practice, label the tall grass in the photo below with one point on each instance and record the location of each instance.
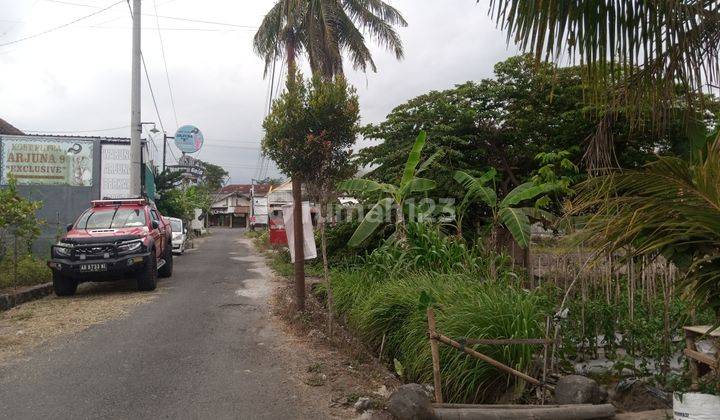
(387, 311)
(427, 248)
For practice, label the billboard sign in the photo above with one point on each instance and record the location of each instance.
(189, 139)
(115, 171)
(47, 161)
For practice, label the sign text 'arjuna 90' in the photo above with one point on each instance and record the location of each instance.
(189, 139)
(47, 161)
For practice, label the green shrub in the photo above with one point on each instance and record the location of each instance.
(30, 271)
(339, 253)
(387, 309)
(428, 248)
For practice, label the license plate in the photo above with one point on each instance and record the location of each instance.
(92, 268)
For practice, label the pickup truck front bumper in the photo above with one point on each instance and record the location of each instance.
(99, 269)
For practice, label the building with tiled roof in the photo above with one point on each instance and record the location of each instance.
(9, 129)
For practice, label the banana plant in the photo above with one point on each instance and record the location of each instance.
(507, 212)
(392, 196)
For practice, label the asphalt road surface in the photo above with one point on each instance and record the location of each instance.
(201, 350)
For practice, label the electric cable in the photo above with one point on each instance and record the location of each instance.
(60, 26)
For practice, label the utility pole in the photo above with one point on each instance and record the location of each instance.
(165, 139)
(135, 126)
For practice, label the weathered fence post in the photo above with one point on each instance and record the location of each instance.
(435, 355)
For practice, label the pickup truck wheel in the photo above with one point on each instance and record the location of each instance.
(64, 286)
(166, 270)
(147, 279)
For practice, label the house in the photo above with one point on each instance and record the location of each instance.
(243, 204)
(281, 196)
(9, 129)
(230, 209)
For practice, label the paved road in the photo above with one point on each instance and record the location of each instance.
(201, 350)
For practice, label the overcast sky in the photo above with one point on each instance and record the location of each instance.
(77, 79)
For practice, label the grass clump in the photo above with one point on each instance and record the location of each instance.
(389, 308)
(30, 271)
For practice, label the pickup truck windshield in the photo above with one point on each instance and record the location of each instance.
(111, 218)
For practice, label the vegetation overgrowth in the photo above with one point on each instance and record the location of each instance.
(524, 130)
(19, 228)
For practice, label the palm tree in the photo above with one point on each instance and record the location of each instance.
(671, 208)
(636, 53)
(324, 30)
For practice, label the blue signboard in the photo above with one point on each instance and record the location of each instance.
(189, 139)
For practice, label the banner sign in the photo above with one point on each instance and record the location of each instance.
(260, 211)
(115, 171)
(47, 161)
(189, 139)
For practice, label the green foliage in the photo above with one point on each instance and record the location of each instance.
(382, 308)
(634, 343)
(391, 195)
(505, 213)
(427, 248)
(214, 176)
(339, 253)
(30, 271)
(311, 127)
(674, 41)
(526, 109)
(17, 218)
(670, 207)
(326, 30)
(181, 202)
(557, 168)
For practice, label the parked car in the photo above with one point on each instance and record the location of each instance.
(179, 235)
(110, 240)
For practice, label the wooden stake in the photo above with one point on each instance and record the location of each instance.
(487, 359)
(435, 351)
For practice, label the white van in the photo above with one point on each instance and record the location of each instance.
(179, 235)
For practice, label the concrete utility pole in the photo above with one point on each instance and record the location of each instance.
(135, 126)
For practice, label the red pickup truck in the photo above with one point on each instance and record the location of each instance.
(110, 240)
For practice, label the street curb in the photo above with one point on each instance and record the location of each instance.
(10, 300)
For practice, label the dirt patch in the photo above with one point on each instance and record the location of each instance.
(342, 370)
(33, 323)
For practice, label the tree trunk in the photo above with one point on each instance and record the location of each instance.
(298, 244)
(326, 270)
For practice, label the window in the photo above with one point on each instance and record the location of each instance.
(176, 225)
(111, 218)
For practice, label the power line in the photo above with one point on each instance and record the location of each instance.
(17, 22)
(167, 74)
(207, 22)
(72, 3)
(59, 27)
(166, 29)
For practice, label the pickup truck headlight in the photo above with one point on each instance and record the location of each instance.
(62, 251)
(129, 246)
